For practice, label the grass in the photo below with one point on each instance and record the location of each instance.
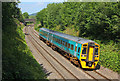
(17, 60)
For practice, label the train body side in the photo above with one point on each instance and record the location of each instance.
(64, 44)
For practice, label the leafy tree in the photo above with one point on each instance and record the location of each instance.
(17, 59)
(90, 19)
(26, 15)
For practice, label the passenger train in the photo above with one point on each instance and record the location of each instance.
(82, 52)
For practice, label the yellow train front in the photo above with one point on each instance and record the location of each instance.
(89, 55)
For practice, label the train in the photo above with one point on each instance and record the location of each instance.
(82, 52)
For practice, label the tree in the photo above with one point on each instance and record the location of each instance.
(26, 15)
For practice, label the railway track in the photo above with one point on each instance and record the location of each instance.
(64, 78)
(94, 74)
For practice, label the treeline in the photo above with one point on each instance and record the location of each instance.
(9, 12)
(17, 60)
(99, 20)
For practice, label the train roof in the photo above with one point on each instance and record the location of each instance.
(74, 38)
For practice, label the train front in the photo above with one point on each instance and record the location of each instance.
(90, 55)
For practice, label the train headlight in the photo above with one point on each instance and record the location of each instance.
(89, 64)
(83, 55)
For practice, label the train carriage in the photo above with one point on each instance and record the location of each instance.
(82, 52)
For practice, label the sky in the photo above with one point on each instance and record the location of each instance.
(33, 6)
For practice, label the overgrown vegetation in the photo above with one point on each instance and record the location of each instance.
(17, 60)
(97, 21)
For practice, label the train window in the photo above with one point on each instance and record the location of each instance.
(96, 45)
(96, 51)
(71, 46)
(56, 39)
(78, 49)
(84, 51)
(59, 40)
(63, 43)
(85, 45)
(75, 48)
(66, 44)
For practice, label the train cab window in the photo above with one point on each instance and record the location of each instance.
(75, 48)
(78, 49)
(96, 45)
(96, 51)
(68, 45)
(71, 46)
(84, 51)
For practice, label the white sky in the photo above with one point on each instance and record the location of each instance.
(42, 0)
(33, 6)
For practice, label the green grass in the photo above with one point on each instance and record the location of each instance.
(17, 60)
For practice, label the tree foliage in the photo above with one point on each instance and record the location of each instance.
(94, 20)
(25, 15)
(9, 12)
(17, 59)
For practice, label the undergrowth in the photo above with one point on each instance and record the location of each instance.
(109, 55)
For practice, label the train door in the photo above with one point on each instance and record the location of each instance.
(90, 57)
(90, 52)
(77, 50)
(48, 37)
(51, 37)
